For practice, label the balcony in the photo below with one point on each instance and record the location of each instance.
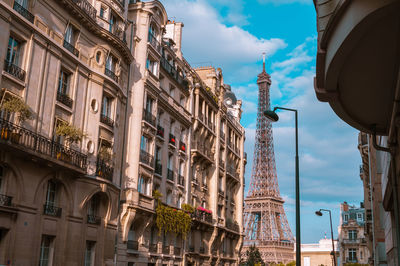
(119, 33)
(87, 8)
(181, 180)
(182, 146)
(132, 245)
(160, 131)
(23, 12)
(93, 219)
(153, 248)
(234, 226)
(71, 48)
(202, 151)
(14, 70)
(109, 73)
(154, 42)
(171, 70)
(202, 216)
(177, 251)
(64, 98)
(105, 119)
(165, 250)
(352, 259)
(51, 210)
(5, 200)
(149, 118)
(170, 175)
(172, 140)
(231, 170)
(158, 169)
(31, 142)
(104, 169)
(352, 240)
(146, 158)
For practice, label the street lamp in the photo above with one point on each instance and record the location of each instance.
(319, 213)
(273, 117)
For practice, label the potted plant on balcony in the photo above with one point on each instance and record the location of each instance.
(14, 105)
(72, 134)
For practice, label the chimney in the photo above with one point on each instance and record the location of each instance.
(345, 206)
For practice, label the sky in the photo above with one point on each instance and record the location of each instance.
(232, 35)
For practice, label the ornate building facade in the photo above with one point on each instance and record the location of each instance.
(117, 113)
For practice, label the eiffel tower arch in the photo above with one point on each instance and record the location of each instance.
(265, 222)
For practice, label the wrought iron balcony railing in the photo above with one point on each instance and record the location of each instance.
(14, 70)
(111, 74)
(171, 70)
(17, 136)
(172, 139)
(23, 11)
(153, 248)
(154, 42)
(158, 168)
(146, 158)
(160, 131)
(165, 249)
(202, 216)
(182, 146)
(104, 169)
(64, 98)
(71, 48)
(51, 210)
(87, 8)
(177, 251)
(132, 245)
(5, 200)
(105, 119)
(170, 175)
(149, 117)
(93, 219)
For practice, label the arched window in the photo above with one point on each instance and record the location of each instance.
(50, 205)
(93, 210)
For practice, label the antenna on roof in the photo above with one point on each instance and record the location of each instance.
(263, 54)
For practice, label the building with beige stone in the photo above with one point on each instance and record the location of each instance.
(114, 71)
(319, 254)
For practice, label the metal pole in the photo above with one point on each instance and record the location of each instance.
(333, 243)
(298, 240)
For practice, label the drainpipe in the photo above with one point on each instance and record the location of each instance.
(371, 199)
(128, 91)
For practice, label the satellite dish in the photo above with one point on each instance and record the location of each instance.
(229, 99)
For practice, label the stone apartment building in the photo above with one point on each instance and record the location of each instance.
(114, 71)
(352, 242)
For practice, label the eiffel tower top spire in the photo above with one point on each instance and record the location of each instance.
(264, 76)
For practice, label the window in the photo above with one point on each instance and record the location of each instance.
(102, 11)
(169, 197)
(111, 63)
(352, 234)
(158, 155)
(23, 3)
(46, 251)
(51, 193)
(70, 35)
(219, 211)
(170, 161)
(112, 22)
(352, 254)
(149, 104)
(183, 101)
(93, 206)
(13, 51)
(181, 168)
(172, 91)
(359, 217)
(63, 83)
(144, 144)
(106, 106)
(152, 66)
(89, 253)
(144, 185)
(346, 217)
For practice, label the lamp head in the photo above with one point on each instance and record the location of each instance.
(271, 115)
(319, 213)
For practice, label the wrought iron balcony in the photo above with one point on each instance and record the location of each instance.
(87, 8)
(132, 245)
(158, 168)
(170, 175)
(71, 48)
(172, 139)
(93, 219)
(160, 131)
(14, 70)
(118, 32)
(202, 216)
(104, 169)
(165, 249)
(154, 42)
(111, 74)
(51, 210)
(149, 117)
(17, 136)
(146, 158)
(181, 180)
(153, 248)
(23, 11)
(105, 119)
(182, 146)
(177, 251)
(5, 200)
(64, 98)
(231, 170)
(171, 70)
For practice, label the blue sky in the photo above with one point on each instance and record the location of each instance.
(232, 34)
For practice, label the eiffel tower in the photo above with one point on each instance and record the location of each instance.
(265, 221)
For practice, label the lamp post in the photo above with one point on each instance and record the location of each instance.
(319, 213)
(272, 116)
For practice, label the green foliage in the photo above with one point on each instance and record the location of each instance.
(17, 106)
(253, 257)
(71, 133)
(187, 208)
(105, 153)
(157, 194)
(292, 263)
(172, 220)
(355, 264)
